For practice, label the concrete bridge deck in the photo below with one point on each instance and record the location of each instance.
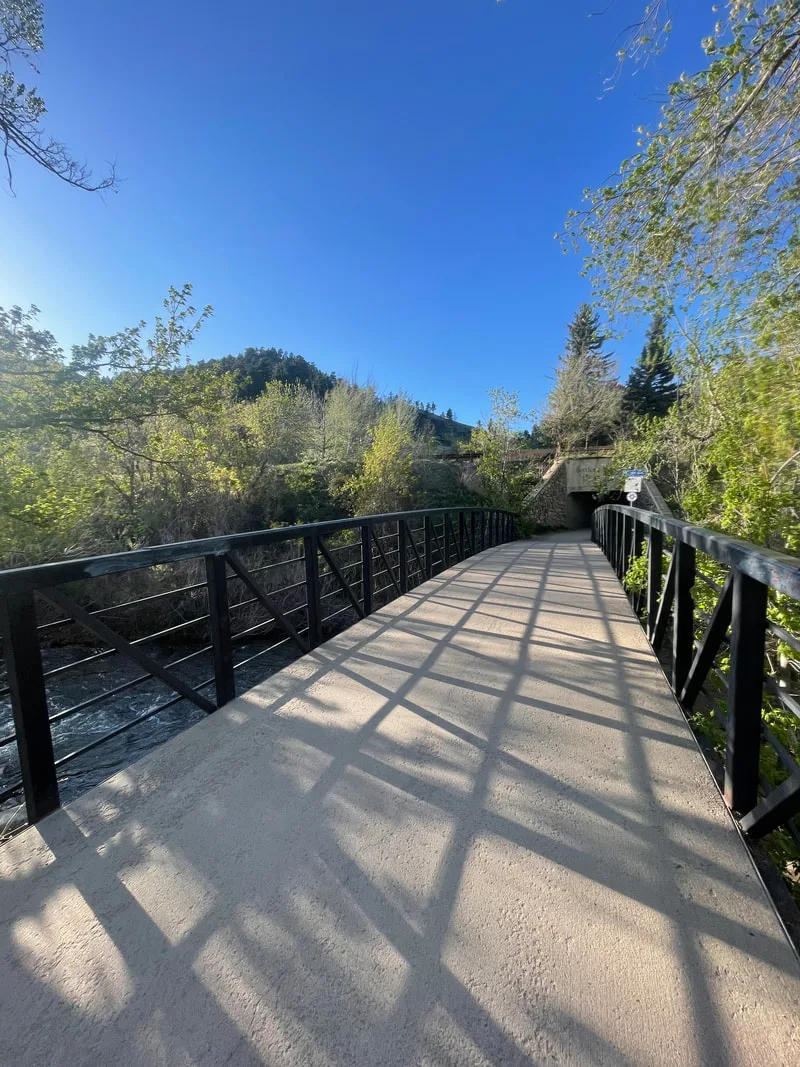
(472, 829)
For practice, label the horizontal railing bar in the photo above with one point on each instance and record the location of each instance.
(783, 635)
(788, 701)
(67, 712)
(777, 570)
(264, 651)
(339, 591)
(129, 725)
(174, 592)
(383, 588)
(341, 611)
(350, 566)
(113, 733)
(130, 603)
(393, 534)
(355, 546)
(45, 575)
(790, 765)
(266, 622)
(111, 651)
(10, 790)
(271, 566)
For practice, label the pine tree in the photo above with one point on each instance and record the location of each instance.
(585, 338)
(651, 388)
(583, 406)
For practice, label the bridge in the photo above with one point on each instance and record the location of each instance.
(473, 827)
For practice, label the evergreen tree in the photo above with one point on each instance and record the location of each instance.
(584, 404)
(651, 388)
(585, 338)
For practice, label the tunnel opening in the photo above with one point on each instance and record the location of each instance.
(581, 506)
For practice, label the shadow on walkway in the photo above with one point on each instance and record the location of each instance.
(472, 829)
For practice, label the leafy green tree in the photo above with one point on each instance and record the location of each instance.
(108, 380)
(348, 415)
(651, 388)
(21, 107)
(386, 479)
(703, 218)
(502, 481)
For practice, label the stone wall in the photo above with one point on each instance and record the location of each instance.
(565, 498)
(548, 504)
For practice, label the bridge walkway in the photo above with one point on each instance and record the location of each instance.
(472, 829)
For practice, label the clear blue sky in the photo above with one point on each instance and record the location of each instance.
(373, 185)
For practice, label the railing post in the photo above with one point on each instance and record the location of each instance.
(748, 625)
(462, 535)
(428, 547)
(636, 551)
(29, 703)
(607, 540)
(402, 555)
(312, 591)
(683, 620)
(482, 514)
(473, 529)
(220, 623)
(624, 541)
(366, 569)
(655, 556)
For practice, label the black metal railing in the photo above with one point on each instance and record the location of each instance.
(730, 653)
(297, 586)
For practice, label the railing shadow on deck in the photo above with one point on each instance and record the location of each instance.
(723, 654)
(290, 587)
(278, 945)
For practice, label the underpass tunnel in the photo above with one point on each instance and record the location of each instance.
(581, 505)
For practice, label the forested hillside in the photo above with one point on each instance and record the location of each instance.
(125, 443)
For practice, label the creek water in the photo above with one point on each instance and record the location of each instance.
(73, 685)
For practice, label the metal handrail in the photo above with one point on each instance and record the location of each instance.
(417, 555)
(741, 608)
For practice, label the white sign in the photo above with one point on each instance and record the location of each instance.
(633, 484)
(631, 497)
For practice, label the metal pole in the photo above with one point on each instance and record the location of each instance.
(683, 621)
(366, 569)
(428, 546)
(312, 591)
(655, 555)
(402, 555)
(220, 622)
(29, 703)
(748, 625)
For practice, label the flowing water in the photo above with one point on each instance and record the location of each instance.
(72, 686)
